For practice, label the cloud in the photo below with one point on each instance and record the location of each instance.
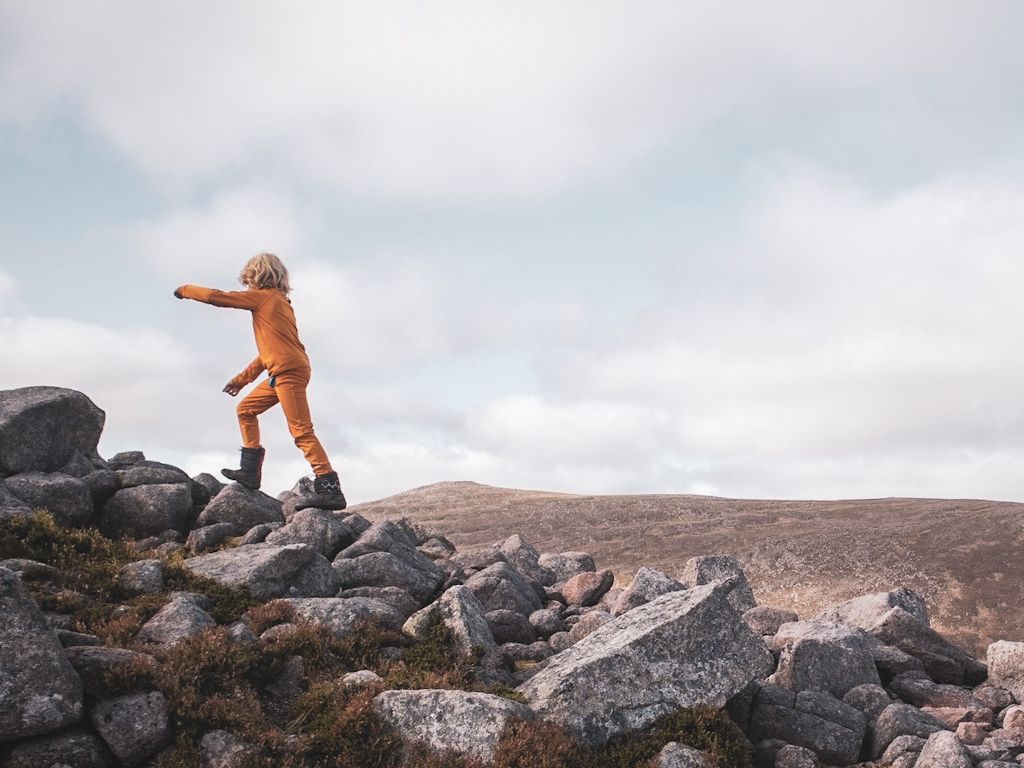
(473, 101)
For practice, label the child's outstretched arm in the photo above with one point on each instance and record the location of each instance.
(247, 376)
(234, 299)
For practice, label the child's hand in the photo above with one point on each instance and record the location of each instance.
(177, 293)
(232, 388)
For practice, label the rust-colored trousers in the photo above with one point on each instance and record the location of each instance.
(290, 391)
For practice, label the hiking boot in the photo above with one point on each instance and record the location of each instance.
(326, 494)
(251, 473)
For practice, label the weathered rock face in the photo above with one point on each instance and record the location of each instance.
(817, 655)
(469, 724)
(42, 428)
(817, 721)
(181, 618)
(146, 510)
(867, 610)
(944, 750)
(420, 578)
(321, 529)
(220, 749)
(502, 587)
(901, 720)
(67, 498)
(510, 627)
(680, 650)
(342, 615)
(265, 569)
(463, 614)
(11, 505)
(151, 473)
(241, 506)
(711, 568)
(94, 664)
(74, 748)
(1006, 667)
(588, 588)
(565, 565)
(210, 537)
(143, 577)
(676, 755)
(135, 726)
(647, 584)
(38, 687)
(524, 558)
(943, 661)
(767, 621)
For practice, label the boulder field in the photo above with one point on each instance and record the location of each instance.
(539, 639)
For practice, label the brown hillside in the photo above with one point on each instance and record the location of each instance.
(966, 557)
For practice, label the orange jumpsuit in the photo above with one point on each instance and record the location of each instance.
(282, 355)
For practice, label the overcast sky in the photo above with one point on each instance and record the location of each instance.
(747, 249)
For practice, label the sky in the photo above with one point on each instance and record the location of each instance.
(749, 249)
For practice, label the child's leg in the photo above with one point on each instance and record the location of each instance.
(252, 405)
(291, 390)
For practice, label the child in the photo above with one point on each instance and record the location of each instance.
(284, 358)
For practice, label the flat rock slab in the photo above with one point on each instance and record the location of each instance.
(265, 569)
(42, 428)
(682, 649)
(342, 615)
(39, 690)
(469, 724)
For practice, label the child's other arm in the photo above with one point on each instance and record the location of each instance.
(234, 299)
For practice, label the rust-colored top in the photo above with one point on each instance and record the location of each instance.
(273, 323)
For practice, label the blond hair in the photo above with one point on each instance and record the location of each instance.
(265, 271)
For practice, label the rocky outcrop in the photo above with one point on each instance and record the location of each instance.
(469, 724)
(680, 650)
(40, 690)
(44, 428)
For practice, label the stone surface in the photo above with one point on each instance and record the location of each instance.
(510, 627)
(39, 689)
(220, 749)
(463, 614)
(1006, 667)
(135, 726)
(676, 755)
(547, 621)
(821, 656)
(588, 623)
(181, 618)
(524, 558)
(437, 548)
(210, 537)
(972, 733)
(792, 756)
(323, 530)
(11, 506)
(565, 565)
(265, 569)
(944, 750)
(342, 616)
(151, 473)
(681, 649)
(242, 507)
(66, 498)
(143, 577)
(361, 679)
(500, 586)
(943, 661)
(400, 598)
(469, 724)
(710, 568)
(921, 692)
(75, 748)
(421, 578)
(767, 621)
(901, 720)
(95, 665)
(902, 745)
(146, 510)
(587, 588)
(42, 428)
(867, 610)
(817, 721)
(870, 700)
(210, 484)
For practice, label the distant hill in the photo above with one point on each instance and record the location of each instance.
(965, 556)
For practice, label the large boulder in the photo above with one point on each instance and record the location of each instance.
(587, 588)
(565, 565)
(710, 568)
(266, 570)
(647, 584)
(867, 610)
(944, 750)
(1006, 667)
(39, 689)
(420, 577)
(502, 587)
(521, 555)
(135, 726)
(901, 720)
(943, 661)
(811, 719)
(463, 615)
(42, 428)
(681, 650)
(146, 510)
(820, 656)
(242, 506)
(321, 529)
(342, 616)
(469, 724)
(66, 498)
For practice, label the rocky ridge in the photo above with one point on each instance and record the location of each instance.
(480, 651)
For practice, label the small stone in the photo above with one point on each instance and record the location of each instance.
(510, 627)
(143, 577)
(972, 733)
(181, 618)
(210, 537)
(220, 749)
(135, 726)
(676, 755)
(944, 750)
(587, 588)
(364, 678)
